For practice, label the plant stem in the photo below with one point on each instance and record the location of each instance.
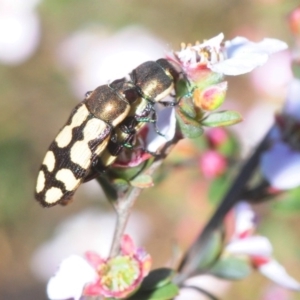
(123, 208)
(192, 258)
(125, 202)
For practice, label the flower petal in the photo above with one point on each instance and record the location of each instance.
(127, 245)
(74, 272)
(292, 105)
(214, 42)
(93, 289)
(166, 125)
(21, 40)
(244, 56)
(244, 219)
(253, 245)
(213, 285)
(277, 273)
(94, 259)
(187, 55)
(284, 174)
(242, 64)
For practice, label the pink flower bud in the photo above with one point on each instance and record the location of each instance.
(217, 136)
(212, 164)
(210, 98)
(294, 21)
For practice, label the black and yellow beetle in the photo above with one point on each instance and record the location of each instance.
(80, 142)
(98, 129)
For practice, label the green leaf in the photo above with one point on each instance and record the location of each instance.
(157, 278)
(142, 181)
(187, 107)
(296, 70)
(201, 143)
(189, 127)
(230, 147)
(182, 88)
(289, 202)
(231, 268)
(218, 187)
(166, 292)
(108, 188)
(222, 118)
(210, 251)
(121, 185)
(127, 173)
(204, 253)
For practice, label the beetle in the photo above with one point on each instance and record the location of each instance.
(154, 80)
(100, 127)
(79, 143)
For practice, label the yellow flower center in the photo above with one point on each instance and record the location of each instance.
(119, 273)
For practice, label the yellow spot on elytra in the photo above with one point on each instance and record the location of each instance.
(54, 194)
(40, 184)
(81, 153)
(65, 135)
(67, 177)
(49, 161)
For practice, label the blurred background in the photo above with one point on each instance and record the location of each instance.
(51, 53)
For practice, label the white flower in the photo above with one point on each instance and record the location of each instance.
(292, 105)
(206, 53)
(89, 229)
(243, 241)
(114, 277)
(19, 30)
(242, 56)
(214, 286)
(254, 249)
(244, 220)
(235, 57)
(252, 245)
(277, 273)
(68, 283)
(284, 174)
(258, 249)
